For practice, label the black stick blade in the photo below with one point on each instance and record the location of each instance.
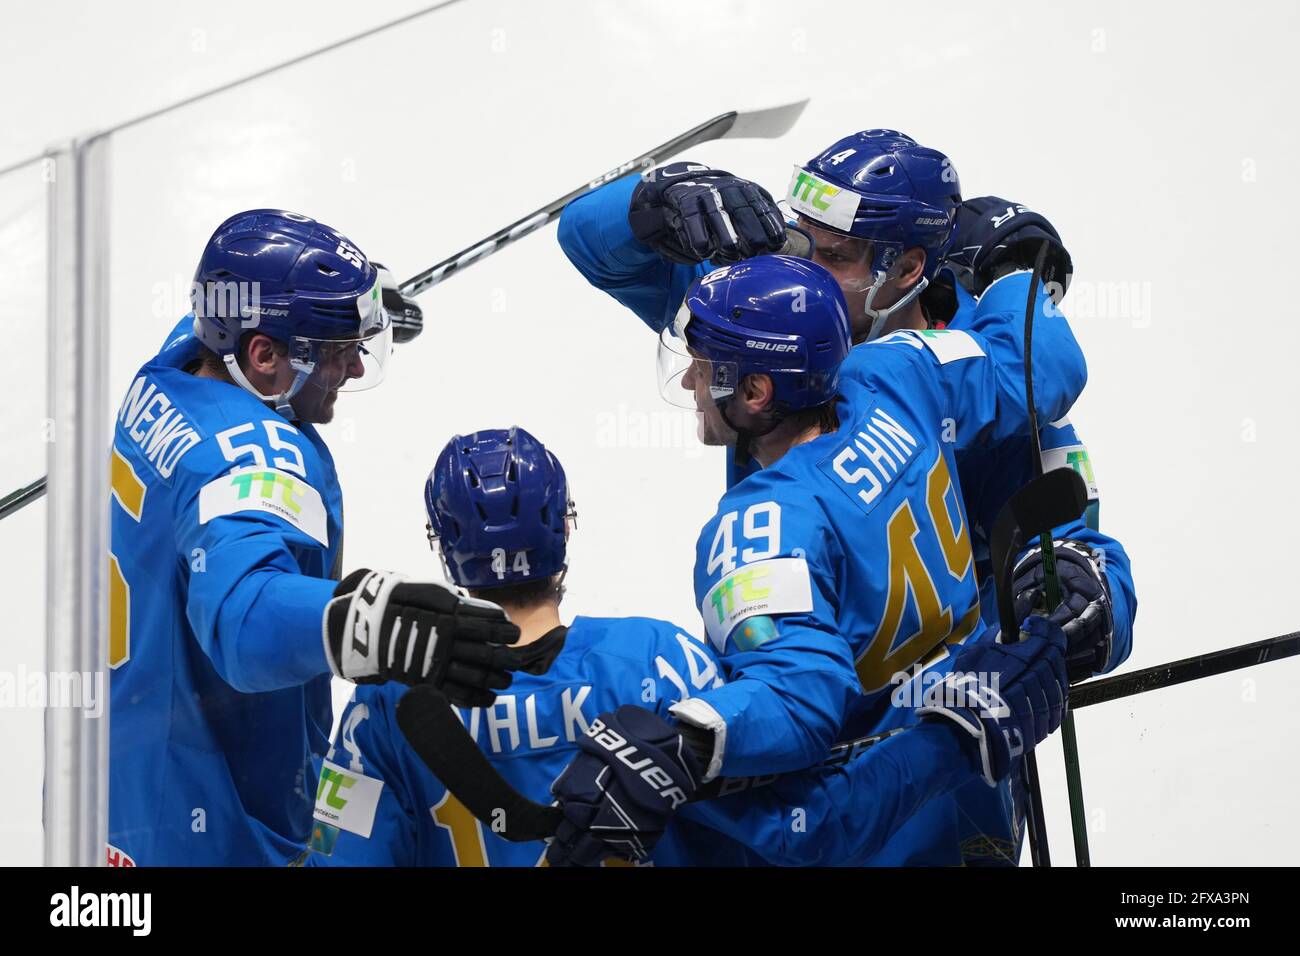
(1049, 500)
(442, 742)
(1056, 497)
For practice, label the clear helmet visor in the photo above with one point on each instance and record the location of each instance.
(849, 259)
(686, 380)
(354, 363)
(346, 365)
(827, 212)
(860, 268)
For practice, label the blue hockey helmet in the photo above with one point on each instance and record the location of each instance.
(779, 316)
(499, 509)
(881, 186)
(299, 282)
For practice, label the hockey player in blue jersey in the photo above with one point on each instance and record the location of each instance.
(876, 204)
(844, 562)
(227, 615)
(645, 240)
(499, 514)
(989, 257)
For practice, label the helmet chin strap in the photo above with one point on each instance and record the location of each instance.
(442, 556)
(282, 402)
(880, 316)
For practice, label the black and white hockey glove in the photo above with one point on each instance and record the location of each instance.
(687, 213)
(380, 627)
(1007, 697)
(995, 236)
(407, 316)
(1085, 612)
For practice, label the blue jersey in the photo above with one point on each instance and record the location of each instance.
(379, 805)
(226, 524)
(595, 236)
(846, 563)
(850, 814)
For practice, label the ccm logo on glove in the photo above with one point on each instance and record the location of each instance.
(368, 596)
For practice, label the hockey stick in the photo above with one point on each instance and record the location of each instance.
(1187, 669)
(16, 500)
(1116, 687)
(444, 745)
(1052, 595)
(1049, 500)
(770, 123)
(438, 737)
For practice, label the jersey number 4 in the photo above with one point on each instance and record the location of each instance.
(886, 655)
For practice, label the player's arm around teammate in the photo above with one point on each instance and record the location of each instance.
(998, 702)
(761, 345)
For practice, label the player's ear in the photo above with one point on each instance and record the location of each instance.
(758, 392)
(261, 354)
(909, 267)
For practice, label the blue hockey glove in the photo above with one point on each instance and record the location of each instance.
(618, 794)
(1007, 697)
(1084, 613)
(995, 236)
(687, 213)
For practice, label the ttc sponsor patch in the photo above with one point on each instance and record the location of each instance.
(764, 588)
(269, 491)
(347, 800)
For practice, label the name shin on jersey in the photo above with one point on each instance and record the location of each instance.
(878, 450)
(156, 426)
(509, 723)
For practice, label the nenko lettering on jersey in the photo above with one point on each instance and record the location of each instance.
(156, 426)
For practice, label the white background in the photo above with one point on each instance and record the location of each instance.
(1158, 138)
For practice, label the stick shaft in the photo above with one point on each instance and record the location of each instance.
(758, 123)
(1187, 669)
